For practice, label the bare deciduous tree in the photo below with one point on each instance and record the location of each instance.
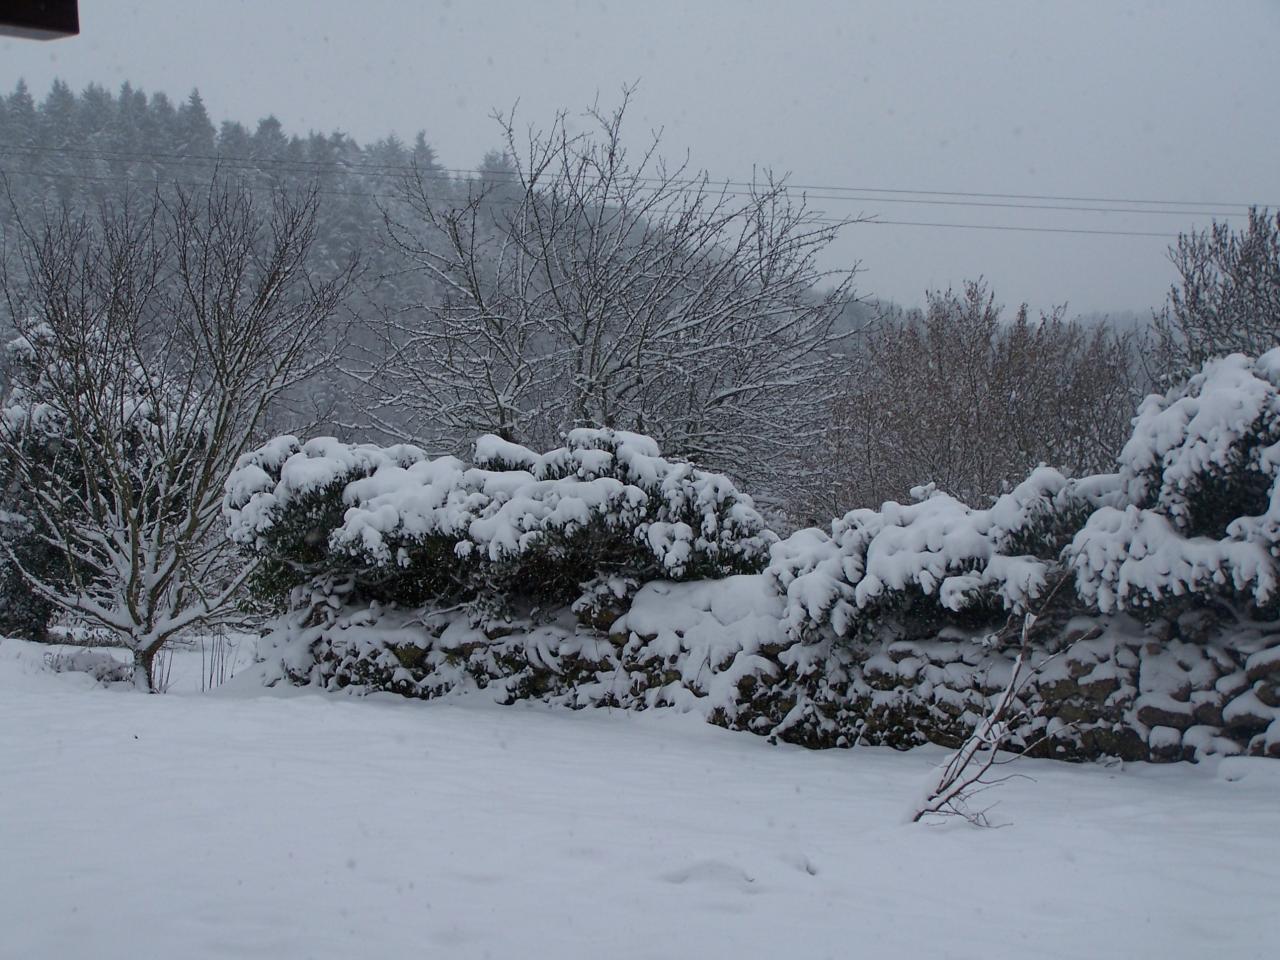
(958, 397)
(153, 340)
(1227, 299)
(594, 286)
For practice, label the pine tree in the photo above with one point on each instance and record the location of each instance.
(23, 124)
(196, 132)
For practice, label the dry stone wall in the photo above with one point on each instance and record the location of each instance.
(1104, 687)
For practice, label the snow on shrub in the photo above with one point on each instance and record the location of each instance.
(1200, 479)
(36, 425)
(23, 613)
(1191, 515)
(590, 520)
(1206, 452)
(934, 557)
(397, 563)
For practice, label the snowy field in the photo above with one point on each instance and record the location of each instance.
(255, 823)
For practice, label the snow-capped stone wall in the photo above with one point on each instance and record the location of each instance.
(554, 576)
(720, 649)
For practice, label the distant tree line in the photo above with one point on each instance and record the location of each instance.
(78, 149)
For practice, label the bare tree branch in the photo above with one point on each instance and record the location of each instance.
(153, 340)
(592, 285)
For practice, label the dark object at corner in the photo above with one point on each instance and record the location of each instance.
(39, 19)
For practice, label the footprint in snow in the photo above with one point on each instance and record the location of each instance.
(714, 873)
(800, 862)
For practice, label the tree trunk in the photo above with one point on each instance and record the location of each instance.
(144, 662)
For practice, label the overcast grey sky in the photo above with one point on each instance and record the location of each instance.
(1170, 101)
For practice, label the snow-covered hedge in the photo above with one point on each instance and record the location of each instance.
(23, 613)
(38, 428)
(935, 561)
(1200, 512)
(878, 630)
(588, 522)
(1191, 517)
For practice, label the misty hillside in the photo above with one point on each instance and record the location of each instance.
(77, 149)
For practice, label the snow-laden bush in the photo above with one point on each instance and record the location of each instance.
(884, 629)
(1200, 513)
(589, 521)
(23, 613)
(936, 560)
(102, 666)
(36, 426)
(1190, 517)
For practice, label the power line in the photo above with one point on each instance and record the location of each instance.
(1065, 199)
(831, 221)
(236, 163)
(992, 226)
(830, 191)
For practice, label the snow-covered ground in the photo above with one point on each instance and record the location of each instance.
(184, 666)
(255, 823)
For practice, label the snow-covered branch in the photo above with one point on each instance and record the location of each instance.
(153, 339)
(595, 286)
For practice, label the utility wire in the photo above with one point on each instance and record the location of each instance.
(993, 226)
(830, 221)
(830, 191)
(712, 186)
